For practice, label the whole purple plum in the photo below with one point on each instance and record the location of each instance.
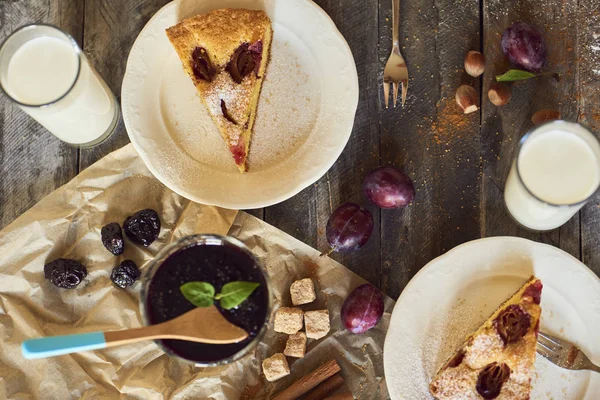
(349, 227)
(524, 46)
(362, 309)
(388, 187)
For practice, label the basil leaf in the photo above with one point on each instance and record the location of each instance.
(235, 293)
(200, 294)
(515, 75)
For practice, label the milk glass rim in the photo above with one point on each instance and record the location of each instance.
(194, 240)
(559, 123)
(75, 48)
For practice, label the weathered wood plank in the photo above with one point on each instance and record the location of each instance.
(305, 215)
(296, 216)
(503, 127)
(111, 27)
(431, 139)
(32, 161)
(258, 213)
(588, 72)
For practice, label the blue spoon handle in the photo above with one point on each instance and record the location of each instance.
(59, 345)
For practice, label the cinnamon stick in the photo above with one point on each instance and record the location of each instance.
(329, 386)
(308, 382)
(342, 396)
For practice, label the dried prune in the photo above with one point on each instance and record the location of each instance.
(112, 238)
(142, 227)
(512, 323)
(125, 274)
(65, 273)
(491, 379)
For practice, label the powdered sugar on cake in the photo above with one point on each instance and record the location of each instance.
(483, 349)
(225, 53)
(287, 114)
(496, 361)
(236, 97)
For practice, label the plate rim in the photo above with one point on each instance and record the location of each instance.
(429, 265)
(230, 203)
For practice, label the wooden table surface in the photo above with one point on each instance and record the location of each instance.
(459, 162)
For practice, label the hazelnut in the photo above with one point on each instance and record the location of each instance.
(545, 115)
(474, 63)
(499, 94)
(466, 98)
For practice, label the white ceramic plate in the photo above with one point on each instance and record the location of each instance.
(453, 294)
(305, 115)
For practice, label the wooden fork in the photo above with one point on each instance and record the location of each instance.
(395, 71)
(202, 324)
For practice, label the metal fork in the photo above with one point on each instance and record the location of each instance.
(395, 71)
(563, 353)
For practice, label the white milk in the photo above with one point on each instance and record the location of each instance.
(41, 71)
(559, 163)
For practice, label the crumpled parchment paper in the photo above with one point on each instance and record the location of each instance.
(67, 223)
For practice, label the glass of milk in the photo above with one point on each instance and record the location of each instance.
(556, 171)
(44, 71)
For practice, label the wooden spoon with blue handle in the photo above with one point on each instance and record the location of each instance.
(202, 324)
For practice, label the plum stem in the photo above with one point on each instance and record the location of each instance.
(331, 250)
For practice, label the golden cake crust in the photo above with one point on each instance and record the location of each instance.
(485, 346)
(221, 32)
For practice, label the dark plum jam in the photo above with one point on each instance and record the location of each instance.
(217, 265)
